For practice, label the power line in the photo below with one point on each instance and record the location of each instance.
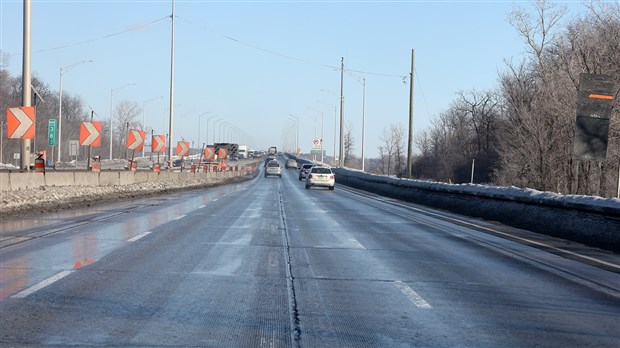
(331, 67)
(80, 43)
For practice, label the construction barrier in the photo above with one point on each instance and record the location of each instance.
(156, 168)
(39, 164)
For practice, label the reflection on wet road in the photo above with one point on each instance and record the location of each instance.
(73, 239)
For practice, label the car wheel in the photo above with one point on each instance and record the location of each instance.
(280, 176)
(307, 187)
(300, 178)
(265, 175)
(331, 188)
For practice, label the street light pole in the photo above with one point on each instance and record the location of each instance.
(199, 118)
(63, 70)
(207, 131)
(112, 92)
(363, 118)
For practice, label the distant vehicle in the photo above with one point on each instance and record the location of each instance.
(321, 176)
(273, 168)
(272, 151)
(242, 152)
(303, 171)
(251, 153)
(290, 163)
(269, 159)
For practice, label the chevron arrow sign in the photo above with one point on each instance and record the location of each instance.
(20, 122)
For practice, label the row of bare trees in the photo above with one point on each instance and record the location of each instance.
(73, 113)
(522, 133)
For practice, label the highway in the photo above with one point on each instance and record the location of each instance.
(267, 263)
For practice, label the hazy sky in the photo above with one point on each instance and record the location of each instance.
(254, 63)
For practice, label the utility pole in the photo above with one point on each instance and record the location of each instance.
(170, 130)
(410, 142)
(26, 82)
(341, 148)
(363, 118)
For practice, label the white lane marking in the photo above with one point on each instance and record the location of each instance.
(476, 226)
(202, 206)
(357, 244)
(179, 217)
(143, 234)
(42, 284)
(412, 295)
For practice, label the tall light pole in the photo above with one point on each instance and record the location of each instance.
(296, 119)
(363, 82)
(112, 92)
(170, 130)
(214, 125)
(207, 130)
(341, 152)
(64, 70)
(200, 118)
(144, 103)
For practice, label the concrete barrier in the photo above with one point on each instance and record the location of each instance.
(126, 178)
(19, 181)
(5, 185)
(141, 177)
(59, 179)
(109, 179)
(86, 178)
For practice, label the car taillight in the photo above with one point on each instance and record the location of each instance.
(331, 176)
(309, 176)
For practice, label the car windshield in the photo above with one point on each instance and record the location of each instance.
(273, 164)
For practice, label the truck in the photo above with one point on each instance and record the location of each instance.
(272, 151)
(242, 151)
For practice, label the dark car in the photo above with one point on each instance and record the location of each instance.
(304, 170)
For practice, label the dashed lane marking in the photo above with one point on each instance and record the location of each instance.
(412, 295)
(42, 284)
(143, 234)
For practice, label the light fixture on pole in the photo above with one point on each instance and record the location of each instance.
(112, 92)
(63, 70)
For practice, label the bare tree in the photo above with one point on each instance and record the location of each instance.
(349, 143)
(127, 113)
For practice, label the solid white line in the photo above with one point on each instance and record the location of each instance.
(143, 234)
(42, 284)
(179, 217)
(412, 295)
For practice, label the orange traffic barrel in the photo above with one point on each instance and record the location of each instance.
(156, 168)
(39, 164)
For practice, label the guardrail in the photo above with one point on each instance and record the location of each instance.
(589, 220)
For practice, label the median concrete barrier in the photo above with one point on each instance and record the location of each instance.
(59, 179)
(109, 179)
(19, 181)
(86, 178)
(4, 182)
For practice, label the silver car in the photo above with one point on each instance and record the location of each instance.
(321, 176)
(273, 168)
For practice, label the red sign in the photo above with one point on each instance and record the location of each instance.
(158, 144)
(135, 139)
(182, 148)
(20, 122)
(209, 153)
(90, 134)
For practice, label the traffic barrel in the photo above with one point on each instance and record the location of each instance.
(39, 164)
(156, 168)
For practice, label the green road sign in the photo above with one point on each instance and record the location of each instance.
(52, 133)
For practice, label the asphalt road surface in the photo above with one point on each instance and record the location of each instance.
(267, 263)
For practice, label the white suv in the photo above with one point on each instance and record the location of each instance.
(321, 176)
